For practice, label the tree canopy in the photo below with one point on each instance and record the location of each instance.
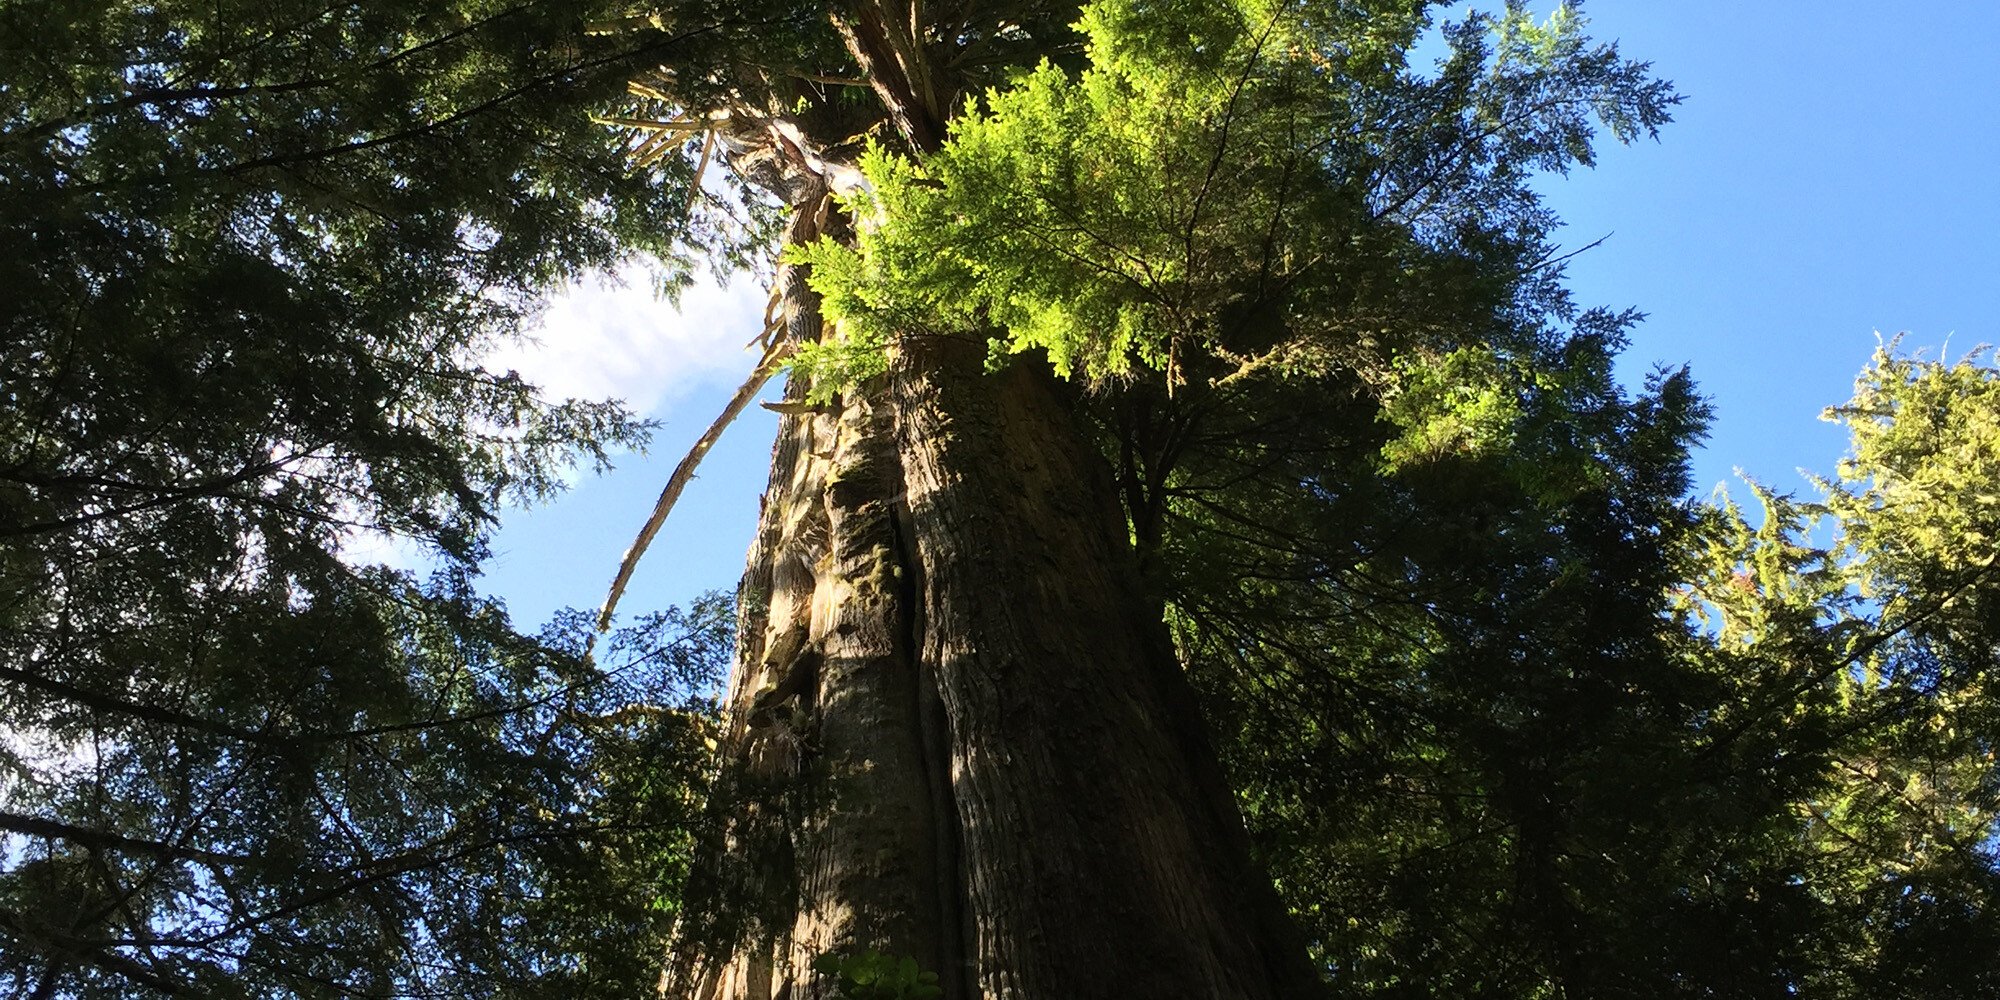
(1507, 713)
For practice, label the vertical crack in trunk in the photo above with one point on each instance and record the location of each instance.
(957, 974)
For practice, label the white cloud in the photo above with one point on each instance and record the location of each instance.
(359, 546)
(612, 337)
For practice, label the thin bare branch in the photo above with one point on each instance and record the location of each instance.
(774, 357)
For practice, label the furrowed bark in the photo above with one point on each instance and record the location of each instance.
(996, 766)
(958, 729)
(835, 774)
(837, 843)
(1102, 854)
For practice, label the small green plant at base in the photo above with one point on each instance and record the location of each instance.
(871, 975)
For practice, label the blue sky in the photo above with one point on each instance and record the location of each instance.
(1833, 172)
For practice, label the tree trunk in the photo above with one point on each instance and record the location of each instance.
(958, 728)
(1102, 853)
(962, 734)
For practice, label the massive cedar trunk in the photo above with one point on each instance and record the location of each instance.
(961, 733)
(1100, 852)
(958, 732)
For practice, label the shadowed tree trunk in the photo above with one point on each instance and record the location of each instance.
(1101, 852)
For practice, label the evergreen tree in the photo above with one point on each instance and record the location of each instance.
(253, 253)
(1864, 687)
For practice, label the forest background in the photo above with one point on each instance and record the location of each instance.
(1505, 714)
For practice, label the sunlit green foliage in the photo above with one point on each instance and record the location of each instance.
(1270, 183)
(1858, 631)
(871, 975)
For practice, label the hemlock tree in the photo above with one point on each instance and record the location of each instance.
(251, 253)
(1859, 629)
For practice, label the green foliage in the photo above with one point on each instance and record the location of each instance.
(1917, 499)
(1855, 637)
(1509, 719)
(371, 778)
(871, 975)
(1444, 687)
(1268, 183)
(1461, 402)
